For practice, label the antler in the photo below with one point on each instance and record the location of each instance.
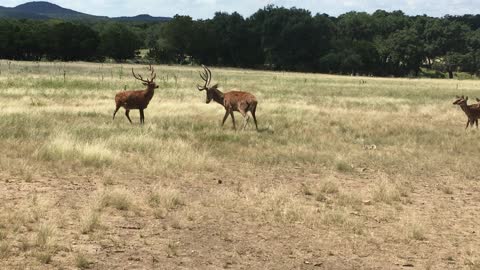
(153, 74)
(139, 77)
(206, 76)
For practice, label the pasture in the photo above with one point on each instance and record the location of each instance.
(345, 173)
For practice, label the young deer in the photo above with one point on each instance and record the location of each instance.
(239, 101)
(478, 102)
(472, 111)
(137, 99)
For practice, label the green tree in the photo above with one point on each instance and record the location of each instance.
(356, 26)
(442, 36)
(73, 42)
(119, 42)
(404, 52)
(472, 57)
(236, 44)
(290, 38)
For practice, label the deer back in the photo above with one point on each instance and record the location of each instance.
(239, 100)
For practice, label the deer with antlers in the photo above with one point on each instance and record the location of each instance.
(472, 111)
(137, 99)
(239, 101)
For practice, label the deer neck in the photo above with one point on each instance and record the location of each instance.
(218, 96)
(149, 92)
(465, 108)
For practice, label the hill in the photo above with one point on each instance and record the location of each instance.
(42, 10)
(142, 18)
(16, 14)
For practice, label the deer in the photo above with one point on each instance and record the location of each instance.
(136, 99)
(478, 102)
(472, 111)
(239, 101)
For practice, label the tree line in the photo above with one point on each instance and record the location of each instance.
(381, 44)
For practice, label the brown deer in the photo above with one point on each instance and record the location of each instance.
(239, 101)
(472, 111)
(137, 99)
(478, 102)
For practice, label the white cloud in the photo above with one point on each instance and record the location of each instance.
(207, 8)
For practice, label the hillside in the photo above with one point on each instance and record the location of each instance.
(52, 11)
(41, 10)
(143, 18)
(17, 14)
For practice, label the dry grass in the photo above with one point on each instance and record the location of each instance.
(386, 192)
(120, 199)
(90, 221)
(82, 262)
(164, 199)
(342, 175)
(4, 249)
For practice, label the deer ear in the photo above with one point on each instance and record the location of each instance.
(466, 98)
(457, 96)
(215, 86)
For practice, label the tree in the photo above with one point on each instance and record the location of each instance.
(356, 26)
(119, 42)
(404, 52)
(472, 57)
(442, 36)
(289, 37)
(236, 44)
(387, 23)
(73, 42)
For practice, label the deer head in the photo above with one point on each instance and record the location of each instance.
(211, 91)
(460, 100)
(149, 83)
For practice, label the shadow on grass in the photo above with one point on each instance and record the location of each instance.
(265, 130)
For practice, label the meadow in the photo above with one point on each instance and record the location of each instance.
(345, 173)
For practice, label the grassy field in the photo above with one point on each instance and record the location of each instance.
(346, 173)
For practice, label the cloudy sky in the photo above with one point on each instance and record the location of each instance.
(206, 8)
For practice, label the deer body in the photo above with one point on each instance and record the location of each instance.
(472, 111)
(238, 101)
(136, 99)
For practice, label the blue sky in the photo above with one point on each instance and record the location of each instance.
(206, 8)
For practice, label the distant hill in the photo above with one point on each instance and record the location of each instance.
(16, 14)
(142, 18)
(53, 11)
(41, 10)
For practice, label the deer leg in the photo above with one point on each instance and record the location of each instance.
(233, 120)
(127, 112)
(115, 112)
(254, 118)
(246, 117)
(476, 122)
(225, 117)
(142, 117)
